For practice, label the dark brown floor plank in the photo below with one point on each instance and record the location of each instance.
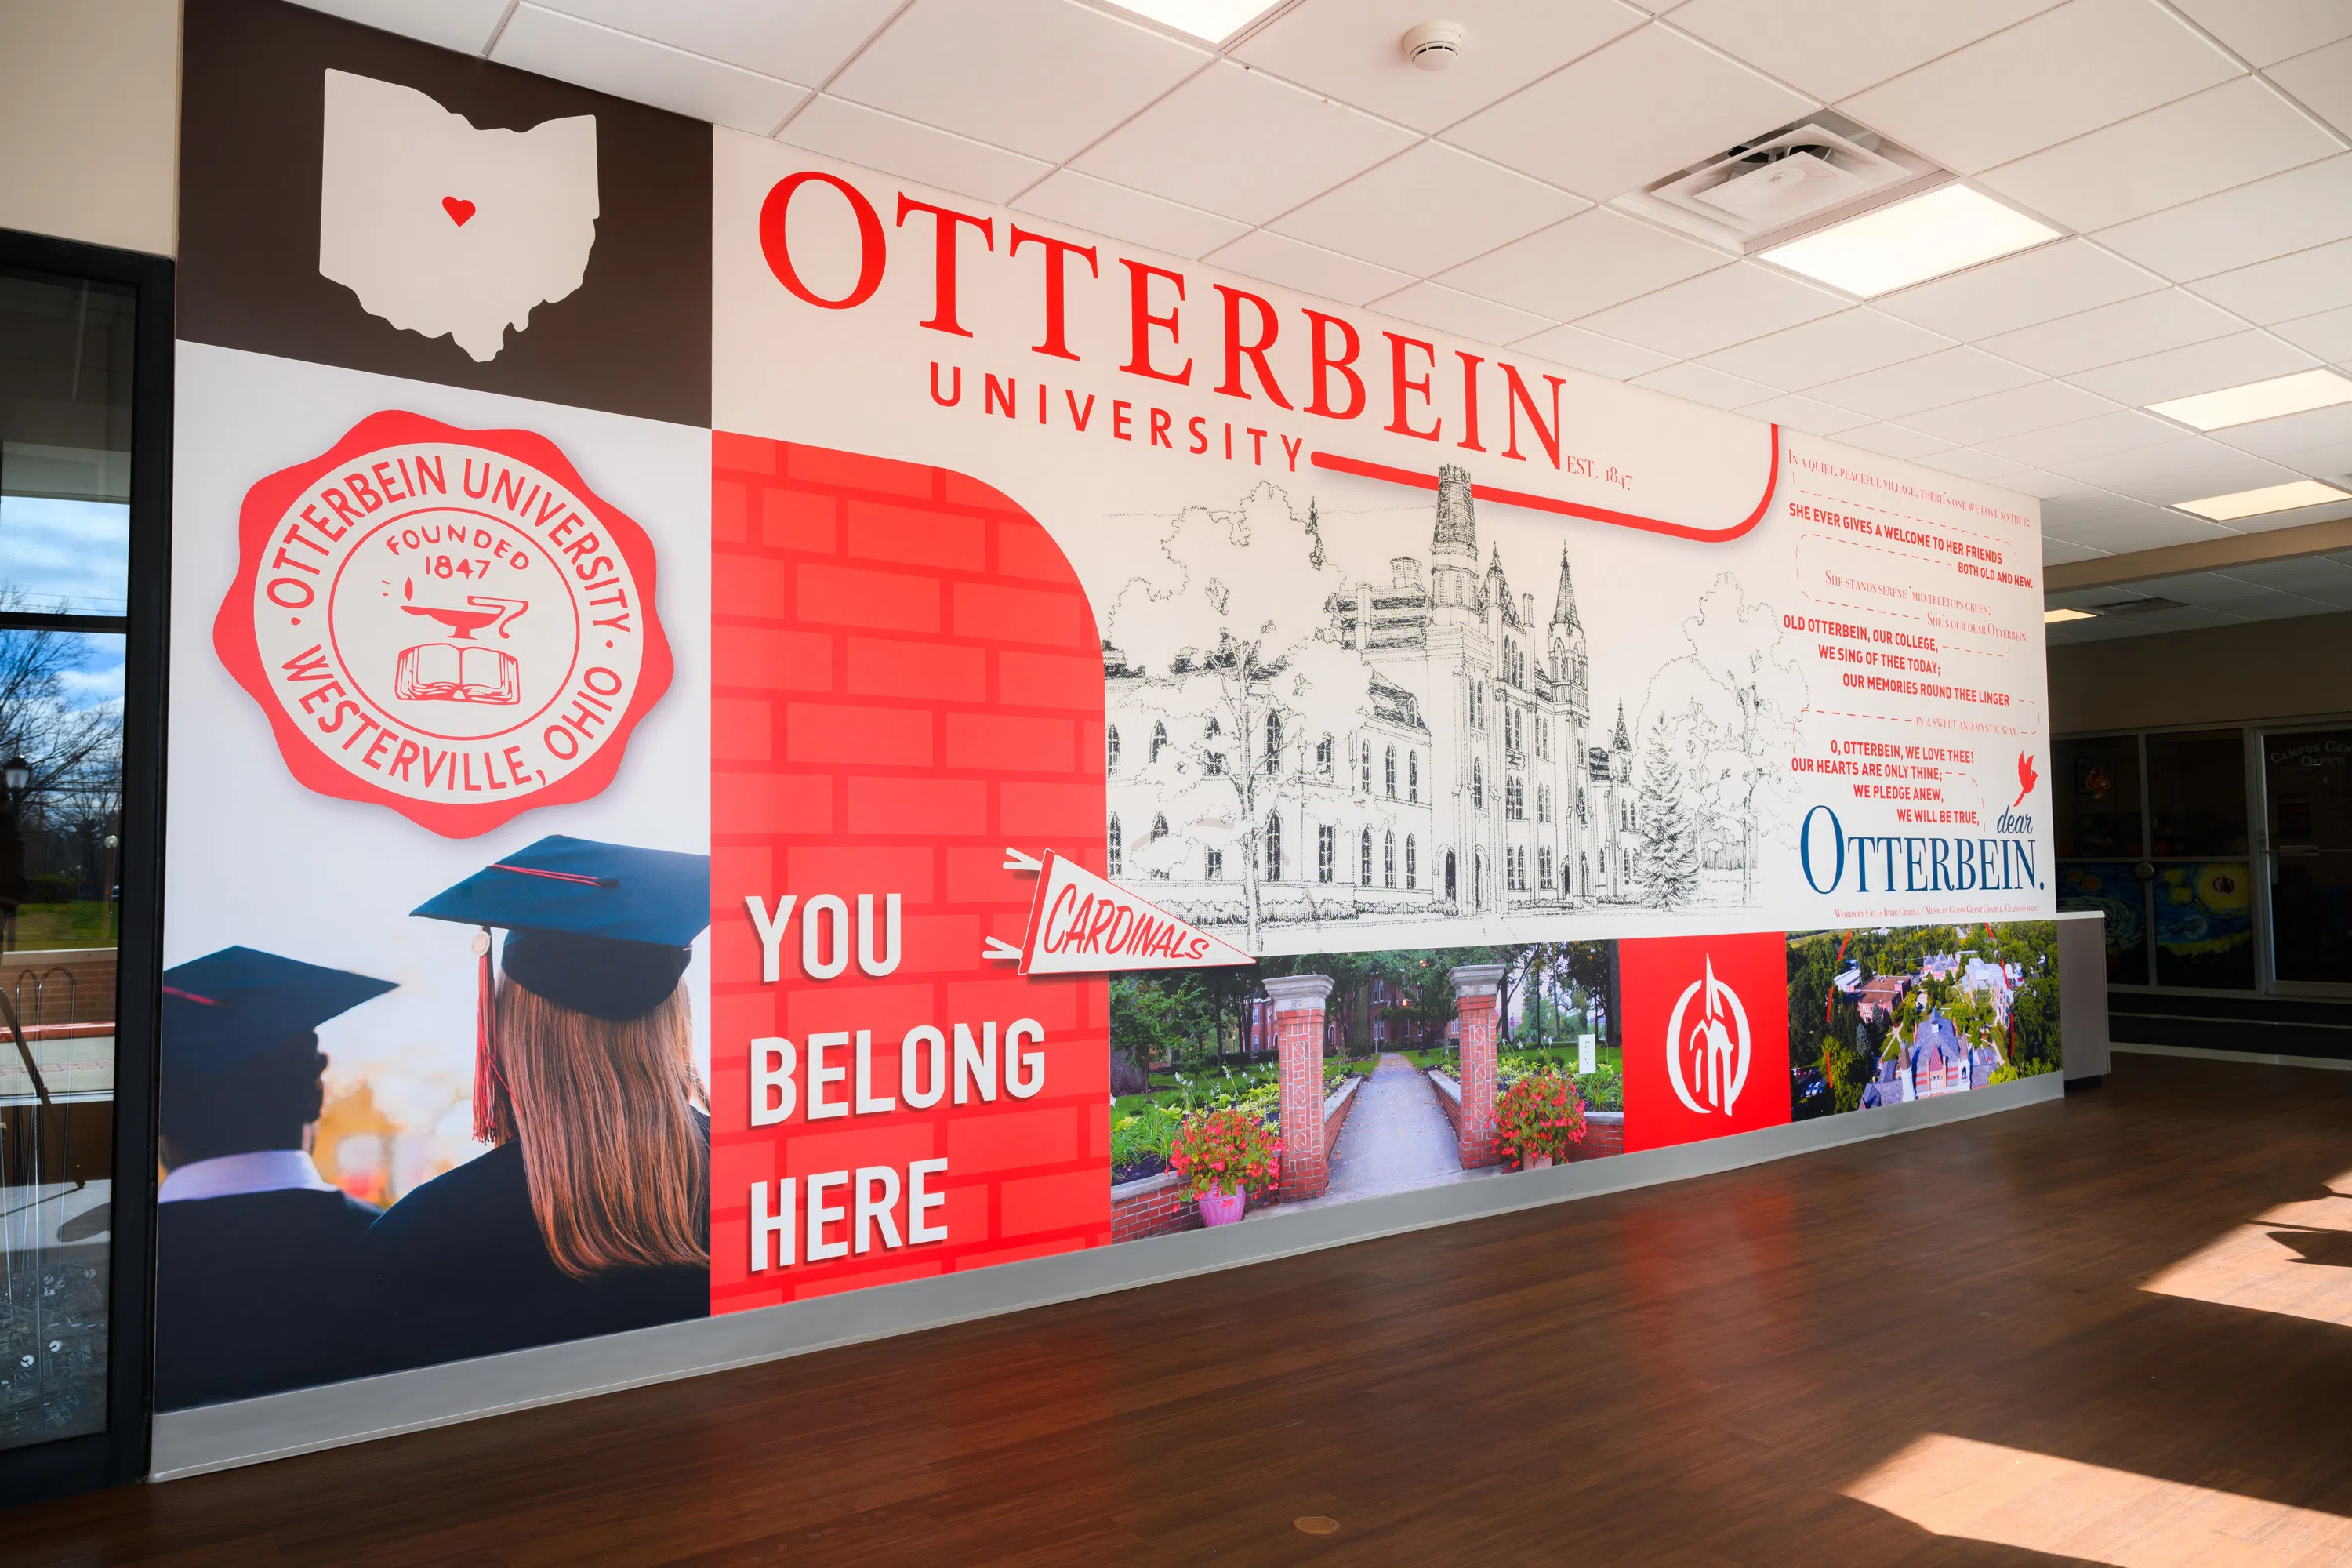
(1688, 1375)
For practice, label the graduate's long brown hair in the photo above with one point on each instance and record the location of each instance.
(619, 1174)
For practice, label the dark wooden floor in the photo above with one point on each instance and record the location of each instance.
(1692, 1375)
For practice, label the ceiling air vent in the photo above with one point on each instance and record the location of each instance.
(1794, 176)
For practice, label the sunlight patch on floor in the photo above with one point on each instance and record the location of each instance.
(2294, 1259)
(2040, 1503)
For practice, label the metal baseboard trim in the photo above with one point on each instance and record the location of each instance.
(280, 1425)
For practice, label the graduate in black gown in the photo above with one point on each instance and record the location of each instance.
(259, 1284)
(591, 1213)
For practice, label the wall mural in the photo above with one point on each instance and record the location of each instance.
(746, 730)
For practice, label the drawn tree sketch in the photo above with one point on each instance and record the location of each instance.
(1226, 639)
(1730, 704)
(1668, 829)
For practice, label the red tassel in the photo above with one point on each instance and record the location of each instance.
(490, 1084)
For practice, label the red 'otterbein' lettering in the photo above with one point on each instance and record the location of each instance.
(1056, 344)
(1318, 325)
(1141, 321)
(872, 247)
(1237, 349)
(1400, 384)
(945, 222)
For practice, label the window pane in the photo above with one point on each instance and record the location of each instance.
(2197, 793)
(65, 470)
(2205, 924)
(2115, 891)
(2096, 796)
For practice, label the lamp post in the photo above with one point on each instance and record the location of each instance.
(17, 776)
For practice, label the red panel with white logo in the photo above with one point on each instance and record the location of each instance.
(1705, 1036)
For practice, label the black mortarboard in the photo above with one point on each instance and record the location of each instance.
(222, 1010)
(602, 929)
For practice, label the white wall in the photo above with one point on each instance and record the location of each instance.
(89, 115)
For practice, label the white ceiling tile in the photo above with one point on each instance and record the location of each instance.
(1309, 268)
(1714, 310)
(2301, 284)
(1427, 209)
(1210, 144)
(2322, 80)
(2057, 446)
(1931, 381)
(2289, 211)
(1699, 385)
(2267, 31)
(628, 67)
(2208, 141)
(2317, 576)
(2058, 553)
(851, 132)
(1798, 412)
(2128, 329)
(1634, 111)
(2196, 484)
(2086, 64)
(1584, 264)
(1444, 309)
(1834, 48)
(464, 26)
(2038, 483)
(2138, 465)
(2010, 412)
(2327, 334)
(2331, 512)
(2208, 366)
(1847, 343)
(1352, 50)
(1040, 76)
(804, 42)
(2040, 285)
(2331, 462)
(2148, 527)
(1970, 464)
(1082, 202)
(1591, 352)
(2059, 516)
(2295, 433)
(1894, 440)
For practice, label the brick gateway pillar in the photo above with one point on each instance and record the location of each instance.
(1298, 1035)
(1476, 997)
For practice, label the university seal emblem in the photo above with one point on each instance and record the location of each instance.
(446, 622)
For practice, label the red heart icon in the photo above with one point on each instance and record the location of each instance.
(458, 209)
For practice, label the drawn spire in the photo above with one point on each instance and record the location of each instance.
(1457, 522)
(1563, 609)
(1623, 742)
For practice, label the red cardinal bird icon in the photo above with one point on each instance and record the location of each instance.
(2026, 779)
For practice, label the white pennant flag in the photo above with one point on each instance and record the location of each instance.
(1080, 924)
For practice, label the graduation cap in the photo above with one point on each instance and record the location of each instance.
(223, 1009)
(602, 929)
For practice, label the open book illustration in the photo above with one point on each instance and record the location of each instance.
(449, 672)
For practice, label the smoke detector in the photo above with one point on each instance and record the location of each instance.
(1434, 46)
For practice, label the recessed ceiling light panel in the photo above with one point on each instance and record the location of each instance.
(2296, 394)
(1912, 240)
(2052, 617)
(2263, 502)
(1211, 21)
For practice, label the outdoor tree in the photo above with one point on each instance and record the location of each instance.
(1229, 631)
(1666, 834)
(73, 751)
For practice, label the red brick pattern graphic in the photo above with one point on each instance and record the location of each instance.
(905, 680)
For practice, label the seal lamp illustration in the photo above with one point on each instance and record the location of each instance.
(465, 623)
(1717, 1044)
(2026, 778)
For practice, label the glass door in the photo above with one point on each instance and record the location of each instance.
(84, 340)
(2307, 845)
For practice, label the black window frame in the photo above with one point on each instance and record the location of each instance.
(119, 1454)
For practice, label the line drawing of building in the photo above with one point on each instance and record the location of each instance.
(1414, 748)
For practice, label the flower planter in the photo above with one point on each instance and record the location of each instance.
(1538, 1163)
(1222, 1208)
